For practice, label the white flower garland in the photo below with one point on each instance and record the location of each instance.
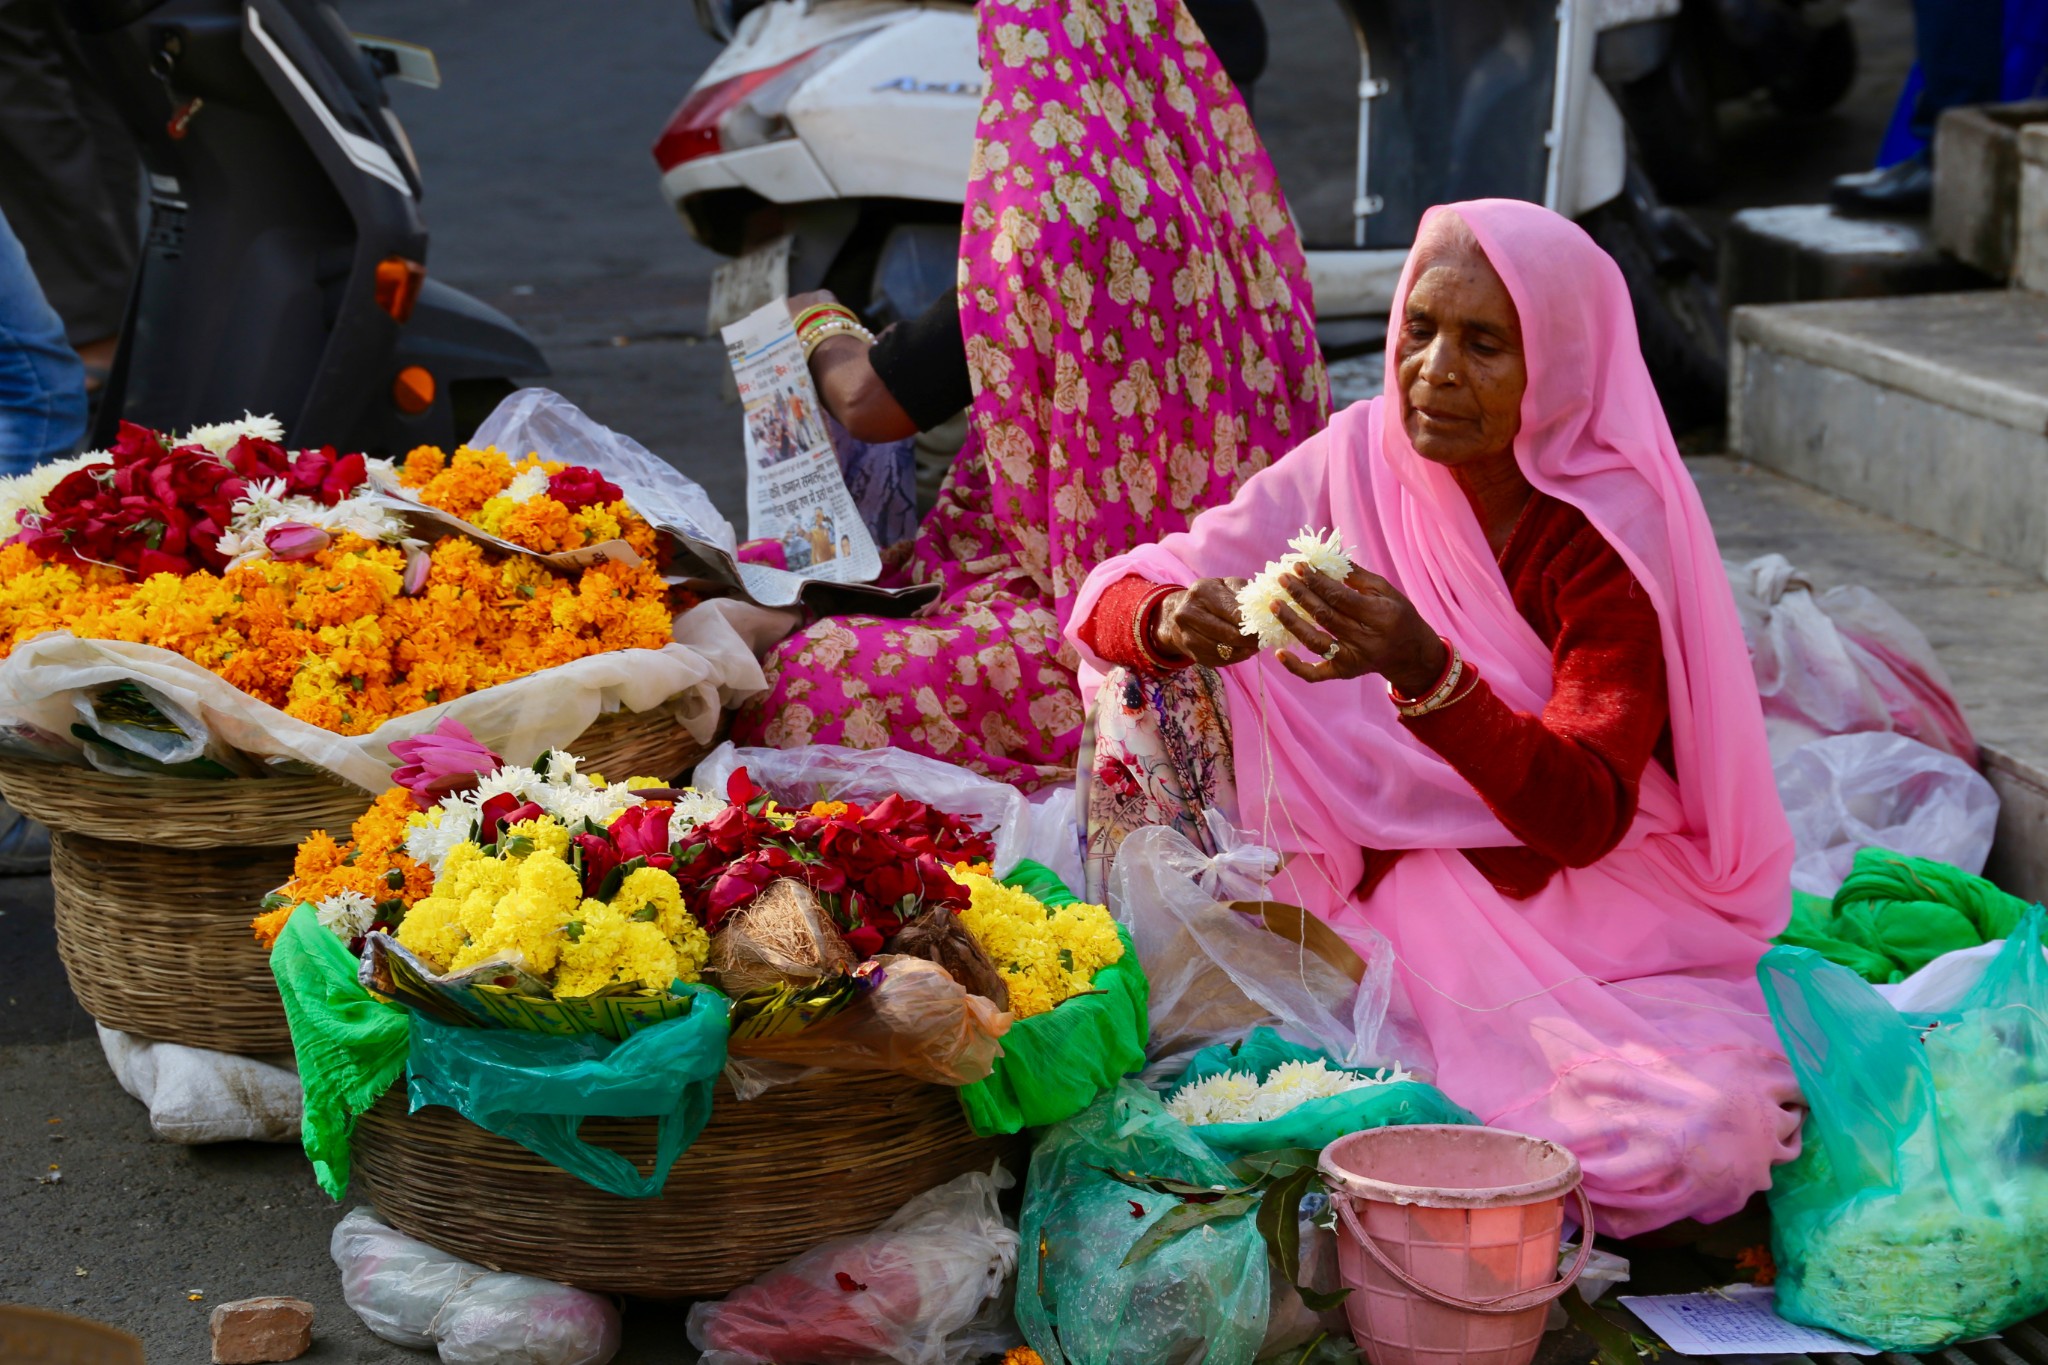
(1240, 1097)
(1319, 551)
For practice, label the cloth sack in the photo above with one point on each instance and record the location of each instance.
(1894, 915)
(196, 1095)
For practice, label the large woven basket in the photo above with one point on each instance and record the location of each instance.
(767, 1179)
(156, 879)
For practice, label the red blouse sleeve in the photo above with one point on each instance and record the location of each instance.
(1565, 782)
(1120, 627)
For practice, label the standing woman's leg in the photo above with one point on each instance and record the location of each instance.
(42, 383)
(1961, 47)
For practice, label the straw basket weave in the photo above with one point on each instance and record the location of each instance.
(156, 879)
(767, 1179)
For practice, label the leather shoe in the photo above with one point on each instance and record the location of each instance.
(1899, 190)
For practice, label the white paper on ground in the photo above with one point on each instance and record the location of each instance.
(1739, 1320)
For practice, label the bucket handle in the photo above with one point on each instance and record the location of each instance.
(1519, 1302)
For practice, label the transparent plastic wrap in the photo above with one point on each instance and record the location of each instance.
(710, 665)
(1852, 792)
(831, 772)
(1203, 1296)
(1840, 662)
(928, 1287)
(1916, 1214)
(414, 1295)
(1217, 973)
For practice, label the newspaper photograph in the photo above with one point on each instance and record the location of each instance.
(796, 494)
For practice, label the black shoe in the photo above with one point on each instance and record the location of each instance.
(1901, 190)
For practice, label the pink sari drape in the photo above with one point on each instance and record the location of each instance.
(1617, 1010)
(1140, 339)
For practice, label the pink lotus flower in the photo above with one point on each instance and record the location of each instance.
(446, 759)
(418, 564)
(290, 540)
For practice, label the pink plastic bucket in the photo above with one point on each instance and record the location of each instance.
(1448, 1237)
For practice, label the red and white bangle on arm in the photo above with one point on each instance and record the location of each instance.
(1144, 622)
(1443, 694)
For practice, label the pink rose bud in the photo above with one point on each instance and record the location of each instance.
(289, 540)
(418, 564)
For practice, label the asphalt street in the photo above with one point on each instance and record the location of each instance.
(543, 200)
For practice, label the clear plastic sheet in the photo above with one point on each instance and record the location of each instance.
(1877, 790)
(412, 1294)
(931, 1286)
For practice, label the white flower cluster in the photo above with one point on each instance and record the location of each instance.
(1240, 1097)
(527, 484)
(220, 437)
(346, 914)
(25, 492)
(265, 507)
(1318, 551)
(692, 809)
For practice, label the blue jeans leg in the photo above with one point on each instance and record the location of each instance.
(42, 383)
(1961, 47)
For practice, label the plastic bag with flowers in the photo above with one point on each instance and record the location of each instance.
(281, 602)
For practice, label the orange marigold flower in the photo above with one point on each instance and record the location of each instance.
(268, 926)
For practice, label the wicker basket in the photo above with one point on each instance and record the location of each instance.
(767, 1179)
(156, 879)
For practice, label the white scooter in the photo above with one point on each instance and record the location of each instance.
(827, 146)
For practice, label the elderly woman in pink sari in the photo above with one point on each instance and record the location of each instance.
(1138, 341)
(1520, 740)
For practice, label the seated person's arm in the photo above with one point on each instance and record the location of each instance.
(911, 379)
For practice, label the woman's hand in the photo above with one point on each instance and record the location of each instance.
(1201, 623)
(815, 297)
(1357, 626)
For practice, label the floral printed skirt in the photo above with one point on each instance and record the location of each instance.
(984, 682)
(1158, 754)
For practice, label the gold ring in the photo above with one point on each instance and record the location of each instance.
(1224, 652)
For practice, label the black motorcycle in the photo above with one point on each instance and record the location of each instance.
(284, 270)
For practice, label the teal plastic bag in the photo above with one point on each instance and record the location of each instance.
(1204, 1296)
(1916, 1214)
(1317, 1123)
(536, 1089)
(349, 1044)
(1055, 1064)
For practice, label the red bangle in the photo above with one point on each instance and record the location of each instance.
(1450, 662)
(1145, 620)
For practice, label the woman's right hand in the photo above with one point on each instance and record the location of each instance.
(1201, 623)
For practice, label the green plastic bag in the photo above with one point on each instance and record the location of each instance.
(1917, 1211)
(1318, 1123)
(537, 1089)
(1895, 914)
(351, 1046)
(1204, 1296)
(1055, 1064)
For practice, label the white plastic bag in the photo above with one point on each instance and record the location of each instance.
(928, 1287)
(832, 772)
(196, 1096)
(541, 421)
(1841, 662)
(1881, 791)
(1216, 974)
(413, 1295)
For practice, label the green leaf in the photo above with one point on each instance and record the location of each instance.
(1274, 1163)
(541, 764)
(574, 929)
(1617, 1345)
(518, 846)
(1186, 1217)
(526, 590)
(1322, 1301)
(1174, 1187)
(647, 913)
(395, 879)
(1279, 1221)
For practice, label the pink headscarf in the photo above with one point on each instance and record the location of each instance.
(1323, 769)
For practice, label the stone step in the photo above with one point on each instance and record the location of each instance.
(1988, 622)
(1795, 253)
(1931, 410)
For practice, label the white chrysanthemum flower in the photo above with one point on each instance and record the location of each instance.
(382, 474)
(572, 805)
(1234, 1097)
(432, 836)
(564, 769)
(692, 809)
(1226, 1097)
(1321, 551)
(265, 507)
(25, 492)
(346, 914)
(220, 437)
(527, 484)
(510, 779)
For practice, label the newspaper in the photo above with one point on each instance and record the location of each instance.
(795, 492)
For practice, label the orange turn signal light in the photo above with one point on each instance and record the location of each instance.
(413, 390)
(398, 286)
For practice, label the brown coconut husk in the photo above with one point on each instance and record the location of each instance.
(938, 936)
(781, 937)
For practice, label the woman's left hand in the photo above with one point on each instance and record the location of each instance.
(1356, 626)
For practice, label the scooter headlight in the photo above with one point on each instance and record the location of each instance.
(748, 110)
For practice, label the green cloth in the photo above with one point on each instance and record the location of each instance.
(1318, 1123)
(1055, 1064)
(1895, 914)
(536, 1089)
(351, 1046)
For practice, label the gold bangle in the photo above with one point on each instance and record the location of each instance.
(1436, 699)
(821, 310)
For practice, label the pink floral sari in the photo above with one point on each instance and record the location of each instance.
(1141, 342)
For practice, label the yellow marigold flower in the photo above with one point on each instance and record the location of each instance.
(547, 834)
(1046, 955)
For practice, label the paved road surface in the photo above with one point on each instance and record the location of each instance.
(542, 199)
